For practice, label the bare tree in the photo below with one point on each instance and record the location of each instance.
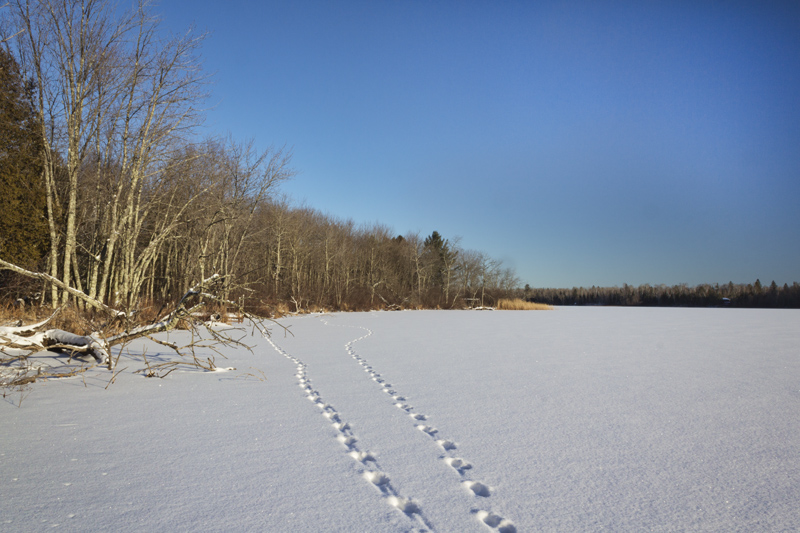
(67, 47)
(247, 180)
(163, 88)
(5, 38)
(112, 90)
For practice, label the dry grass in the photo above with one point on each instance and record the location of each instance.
(11, 314)
(68, 318)
(280, 309)
(86, 321)
(518, 304)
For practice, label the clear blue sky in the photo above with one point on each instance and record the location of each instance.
(583, 143)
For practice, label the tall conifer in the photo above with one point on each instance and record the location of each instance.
(23, 226)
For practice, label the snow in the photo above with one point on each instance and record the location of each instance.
(578, 419)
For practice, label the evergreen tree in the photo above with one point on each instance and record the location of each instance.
(23, 225)
(440, 258)
(434, 248)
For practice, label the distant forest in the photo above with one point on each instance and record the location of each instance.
(716, 295)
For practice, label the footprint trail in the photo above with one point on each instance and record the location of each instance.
(372, 472)
(474, 488)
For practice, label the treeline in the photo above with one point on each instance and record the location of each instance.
(716, 295)
(106, 188)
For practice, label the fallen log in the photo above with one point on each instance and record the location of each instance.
(18, 342)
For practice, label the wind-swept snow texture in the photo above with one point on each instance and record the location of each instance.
(578, 419)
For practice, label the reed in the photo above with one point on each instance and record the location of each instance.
(518, 304)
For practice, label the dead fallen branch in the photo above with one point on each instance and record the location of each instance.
(19, 342)
(5, 265)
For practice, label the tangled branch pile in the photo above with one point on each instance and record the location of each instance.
(19, 342)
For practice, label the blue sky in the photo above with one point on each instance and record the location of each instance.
(583, 143)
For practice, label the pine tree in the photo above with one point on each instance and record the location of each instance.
(436, 250)
(23, 226)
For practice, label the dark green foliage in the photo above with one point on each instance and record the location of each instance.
(435, 241)
(705, 295)
(439, 256)
(435, 248)
(23, 223)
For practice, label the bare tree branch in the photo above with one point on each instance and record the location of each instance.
(5, 265)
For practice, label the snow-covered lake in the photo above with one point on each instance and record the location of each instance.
(578, 419)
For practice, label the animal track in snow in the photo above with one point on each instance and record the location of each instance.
(476, 488)
(446, 444)
(341, 426)
(333, 415)
(361, 457)
(407, 506)
(347, 440)
(457, 463)
(496, 522)
(430, 430)
(376, 478)
(346, 437)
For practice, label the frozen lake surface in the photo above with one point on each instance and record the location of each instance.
(578, 419)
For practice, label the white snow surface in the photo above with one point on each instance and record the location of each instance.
(578, 419)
